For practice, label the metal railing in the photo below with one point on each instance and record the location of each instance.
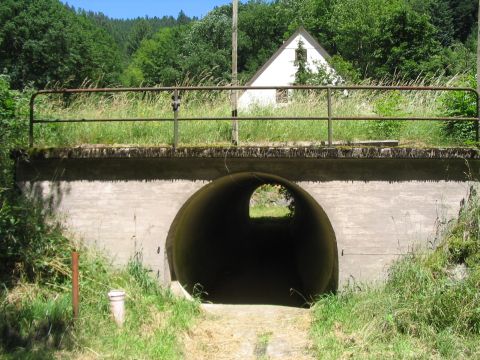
(176, 102)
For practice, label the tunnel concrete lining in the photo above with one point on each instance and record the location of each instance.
(217, 251)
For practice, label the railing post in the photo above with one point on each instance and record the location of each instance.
(234, 117)
(330, 123)
(176, 107)
(32, 118)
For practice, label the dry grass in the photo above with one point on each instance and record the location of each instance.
(250, 332)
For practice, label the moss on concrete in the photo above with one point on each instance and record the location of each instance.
(263, 152)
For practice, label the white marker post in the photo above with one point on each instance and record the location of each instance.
(117, 306)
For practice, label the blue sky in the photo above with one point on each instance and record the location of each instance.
(135, 8)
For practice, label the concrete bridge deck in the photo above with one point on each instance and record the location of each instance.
(186, 211)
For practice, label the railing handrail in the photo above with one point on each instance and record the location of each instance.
(175, 90)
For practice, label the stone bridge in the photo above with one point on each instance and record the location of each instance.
(185, 212)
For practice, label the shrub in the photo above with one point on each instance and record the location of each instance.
(28, 244)
(388, 105)
(461, 104)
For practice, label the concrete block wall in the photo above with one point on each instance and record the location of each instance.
(124, 205)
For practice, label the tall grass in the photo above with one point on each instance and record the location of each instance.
(217, 104)
(36, 320)
(429, 307)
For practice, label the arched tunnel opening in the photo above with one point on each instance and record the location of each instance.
(218, 251)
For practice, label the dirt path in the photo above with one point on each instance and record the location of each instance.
(245, 332)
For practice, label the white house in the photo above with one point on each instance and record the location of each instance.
(280, 70)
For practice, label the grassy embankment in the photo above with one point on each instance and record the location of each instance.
(36, 317)
(428, 309)
(214, 104)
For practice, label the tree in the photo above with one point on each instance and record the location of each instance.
(182, 18)
(406, 44)
(141, 30)
(303, 74)
(157, 60)
(355, 25)
(42, 42)
(464, 13)
(210, 41)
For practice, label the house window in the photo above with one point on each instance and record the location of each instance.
(300, 54)
(282, 96)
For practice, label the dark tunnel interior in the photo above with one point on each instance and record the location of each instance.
(218, 252)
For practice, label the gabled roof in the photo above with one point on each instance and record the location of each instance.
(300, 31)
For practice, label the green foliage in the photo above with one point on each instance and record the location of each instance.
(45, 42)
(405, 43)
(12, 107)
(33, 322)
(388, 105)
(461, 104)
(42, 42)
(345, 69)
(464, 13)
(217, 105)
(27, 242)
(355, 24)
(303, 73)
(272, 201)
(156, 61)
(463, 241)
(141, 30)
(210, 41)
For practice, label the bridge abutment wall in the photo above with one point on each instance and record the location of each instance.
(381, 203)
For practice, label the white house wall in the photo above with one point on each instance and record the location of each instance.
(281, 72)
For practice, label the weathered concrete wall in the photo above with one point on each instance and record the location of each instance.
(380, 204)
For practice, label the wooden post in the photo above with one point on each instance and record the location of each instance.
(235, 72)
(30, 124)
(478, 49)
(75, 285)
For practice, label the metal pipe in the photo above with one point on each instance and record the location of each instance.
(32, 120)
(477, 97)
(176, 106)
(235, 117)
(265, 118)
(229, 88)
(75, 285)
(329, 109)
(234, 93)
